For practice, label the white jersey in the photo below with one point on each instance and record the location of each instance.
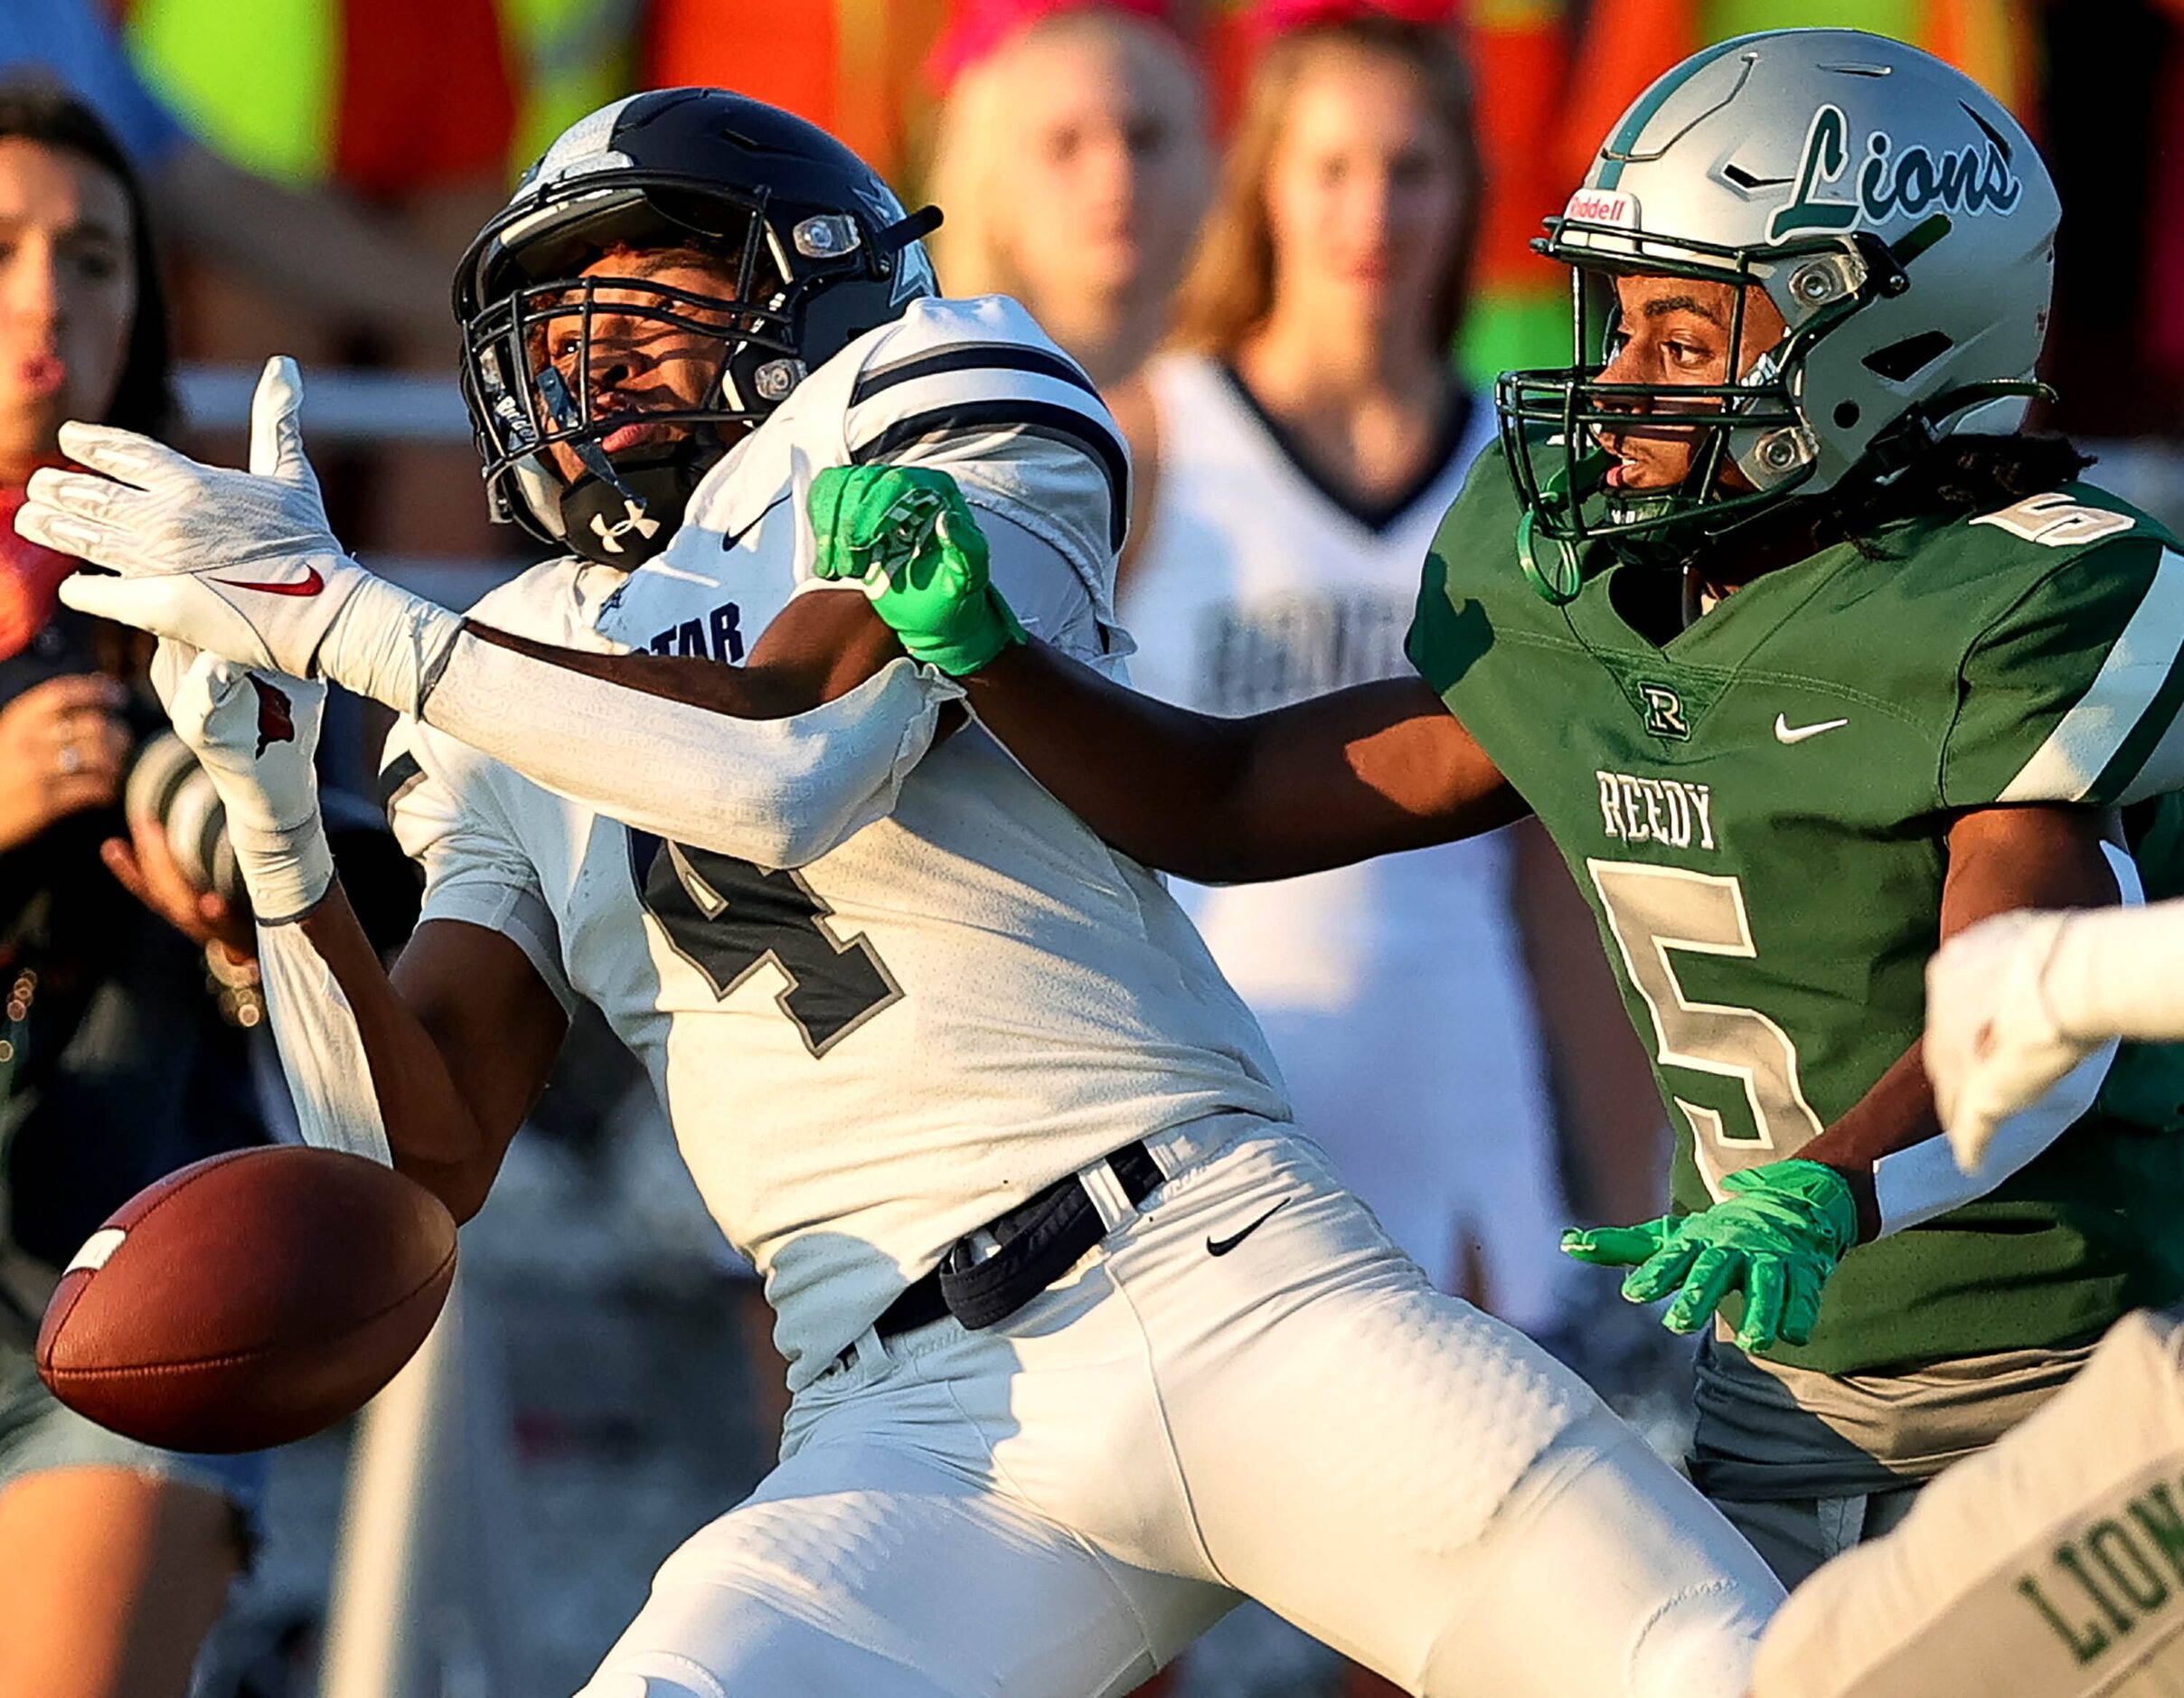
(871, 1055)
(1255, 586)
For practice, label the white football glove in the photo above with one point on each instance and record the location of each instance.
(241, 564)
(255, 735)
(1993, 1045)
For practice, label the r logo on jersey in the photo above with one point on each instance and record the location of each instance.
(1664, 712)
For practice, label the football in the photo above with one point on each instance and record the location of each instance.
(249, 1299)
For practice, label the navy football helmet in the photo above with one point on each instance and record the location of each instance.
(820, 249)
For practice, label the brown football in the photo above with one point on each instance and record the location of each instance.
(249, 1299)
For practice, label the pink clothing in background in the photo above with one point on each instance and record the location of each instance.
(977, 28)
(30, 581)
(1279, 17)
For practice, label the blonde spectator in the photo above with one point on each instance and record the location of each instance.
(1310, 433)
(1071, 159)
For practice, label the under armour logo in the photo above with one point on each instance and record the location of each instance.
(633, 518)
(276, 715)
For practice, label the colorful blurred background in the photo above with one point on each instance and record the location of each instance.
(317, 167)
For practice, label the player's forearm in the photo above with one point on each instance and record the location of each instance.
(742, 693)
(1889, 1148)
(2118, 972)
(1159, 782)
(1897, 1113)
(776, 766)
(1889, 1143)
(1327, 782)
(364, 1051)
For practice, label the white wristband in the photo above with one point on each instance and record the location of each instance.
(288, 872)
(387, 644)
(255, 734)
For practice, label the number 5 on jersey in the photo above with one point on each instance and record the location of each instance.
(1654, 912)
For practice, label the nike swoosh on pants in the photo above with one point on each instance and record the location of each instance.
(1222, 1246)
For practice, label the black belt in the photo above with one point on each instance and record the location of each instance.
(1041, 1240)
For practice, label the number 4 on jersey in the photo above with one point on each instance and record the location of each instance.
(728, 918)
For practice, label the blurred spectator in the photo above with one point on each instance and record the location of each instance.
(116, 1064)
(1309, 435)
(1071, 159)
(313, 248)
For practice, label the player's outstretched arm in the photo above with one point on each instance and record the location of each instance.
(1365, 771)
(1360, 772)
(433, 1072)
(773, 761)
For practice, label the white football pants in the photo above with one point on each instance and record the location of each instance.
(1054, 1507)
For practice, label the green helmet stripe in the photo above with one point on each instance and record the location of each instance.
(1636, 120)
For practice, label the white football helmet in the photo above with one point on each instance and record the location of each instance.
(1897, 217)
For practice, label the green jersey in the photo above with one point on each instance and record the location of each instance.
(1757, 808)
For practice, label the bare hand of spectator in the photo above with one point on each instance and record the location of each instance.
(62, 749)
(145, 866)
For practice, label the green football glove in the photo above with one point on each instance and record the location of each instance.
(907, 534)
(1776, 1237)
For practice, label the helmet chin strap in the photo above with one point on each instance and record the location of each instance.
(1919, 429)
(627, 521)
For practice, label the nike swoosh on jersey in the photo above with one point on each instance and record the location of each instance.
(729, 539)
(310, 585)
(1785, 733)
(1222, 1246)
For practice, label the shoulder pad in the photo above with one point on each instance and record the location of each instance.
(961, 380)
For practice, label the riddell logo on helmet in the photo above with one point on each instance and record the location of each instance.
(1892, 182)
(1598, 206)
